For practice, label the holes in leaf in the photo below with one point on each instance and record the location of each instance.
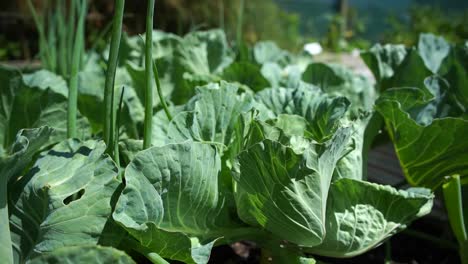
(74, 197)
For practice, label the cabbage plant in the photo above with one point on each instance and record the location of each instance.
(424, 105)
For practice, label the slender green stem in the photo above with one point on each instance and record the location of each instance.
(117, 134)
(464, 252)
(73, 89)
(160, 94)
(52, 41)
(221, 14)
(70, 32)
(62, 42)
(388, 252)
(454, 204)
(43, 48)
(110, 114)
(240, 22)
(82, 38)
(6, 250)
(148, 80)
(155, 258)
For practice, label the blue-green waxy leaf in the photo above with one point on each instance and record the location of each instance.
(27, 144)
(247, 74)
(322, 112)
(362, 215)
(397, 66)
(273, 73)
(210, 116)
(433, 51)
(268, 51)
(427, 132)
(354, 165)
(174, 203)
(84, 254)
(425, 116)
(383, 60)
(219, 54)
(64, 200)
(335, 79)
(31, 101)
(286, 192)
(183, 63)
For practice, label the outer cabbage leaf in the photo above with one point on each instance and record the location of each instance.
(84, 254)
(173, 202)
(361, 215)
(428, 132)
(65, 199)
(285, 192)
(27, 143)
(396, 66)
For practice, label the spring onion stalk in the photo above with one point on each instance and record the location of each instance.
(82, 39)
(52, 42)
(221, 14)
(240, 22)
(70, 30)
(43, 48)
(160, 95)
(454, 204)
(117, 134)
(241, 48)
(73, 86)
(62, 36)
(110, 113)
(148, 80)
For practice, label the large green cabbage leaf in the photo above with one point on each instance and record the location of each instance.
(285, 192)
(212, 115)
(65, 199)
(174, 203)
(27, 143)
(291, 192)
(426, 117)
(361, 215)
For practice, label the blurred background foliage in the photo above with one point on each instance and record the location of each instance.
(339, 25)
(425, 18)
